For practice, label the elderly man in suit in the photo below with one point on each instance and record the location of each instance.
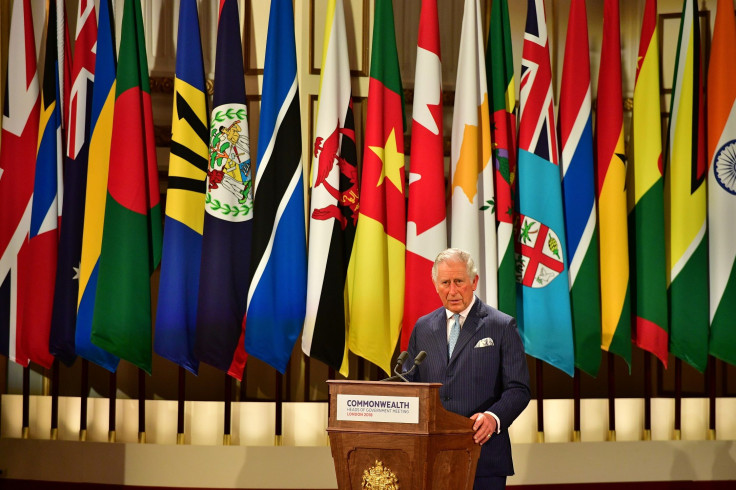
(476, 352)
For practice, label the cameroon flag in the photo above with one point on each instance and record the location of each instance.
(131, 236)
(376, 271)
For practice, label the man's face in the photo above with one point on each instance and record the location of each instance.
(454, 285)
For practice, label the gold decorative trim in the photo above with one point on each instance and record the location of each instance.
(379, 477)
(365, 61)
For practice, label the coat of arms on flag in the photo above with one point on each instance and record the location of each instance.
(229, 190)
(538, 253)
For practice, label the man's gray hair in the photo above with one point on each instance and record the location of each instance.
(455, 254)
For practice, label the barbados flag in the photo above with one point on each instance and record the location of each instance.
(276, 307)
(103, 104)
(176, 315)
(544, 319)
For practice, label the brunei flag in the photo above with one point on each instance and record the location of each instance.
(131, 236)
(685, 199)
(64, 319)
(103, 104)
(228, 220)
(334, 201)
(426, 228)
(276, 307)
(611, 191)
(575, 125)
(545, 321)
(473, 215)
(17, 163)
(722, 184)
(646, 198)
(500, 75)
(43, 241)
(376, 270)
(176, 314)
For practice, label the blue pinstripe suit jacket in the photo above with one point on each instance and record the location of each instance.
(493, 378)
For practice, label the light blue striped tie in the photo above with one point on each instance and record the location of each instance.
(454, 334)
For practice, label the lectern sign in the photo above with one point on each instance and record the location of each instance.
(374, 408)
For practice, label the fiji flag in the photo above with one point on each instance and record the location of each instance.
(64, 318)
(228, 219)
(276, 307)
(544, 319)
(176, 314)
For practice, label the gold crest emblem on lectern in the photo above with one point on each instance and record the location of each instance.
(379, 477)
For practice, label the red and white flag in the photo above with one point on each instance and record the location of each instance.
(426, 229)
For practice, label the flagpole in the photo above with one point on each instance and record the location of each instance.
(83, 401)
(576, 406)
(710, 374)
(307, 375)
(113, 402)
(26, 401)
(611, 398)
(180, 407)
(678, 399)
(227, 437)
(540, 400)
(141, 406)
(647, 396)
(55, 400)
(279, 439)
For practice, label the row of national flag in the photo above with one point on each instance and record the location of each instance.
(590, 246)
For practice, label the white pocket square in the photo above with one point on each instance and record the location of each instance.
(486, 342)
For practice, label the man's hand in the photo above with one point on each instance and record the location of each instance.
(484, 427)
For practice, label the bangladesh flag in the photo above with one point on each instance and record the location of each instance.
(131, 236)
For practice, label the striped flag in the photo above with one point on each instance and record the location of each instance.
(131, 236)
(722, 184)
(545, 320)
(276, 307)
(43, 240)
(646, 198)
(473, 208)
(685, 199)
(426, 227)
(376, 269)
(500, 74)
(611, 191)
(103, 104)
(226, 239)
(64, 317)
(575, 125)
(176, 314)
(17, 164)
(334, 201)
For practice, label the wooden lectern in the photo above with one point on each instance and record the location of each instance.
(398, 436)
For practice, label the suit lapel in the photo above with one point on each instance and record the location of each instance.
(470, 327)
(439, 335)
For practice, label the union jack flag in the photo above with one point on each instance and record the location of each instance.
(537, 132)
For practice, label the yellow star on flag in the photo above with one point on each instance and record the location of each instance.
(392, 161)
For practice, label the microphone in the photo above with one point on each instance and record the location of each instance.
(417, 361)
(399, 363)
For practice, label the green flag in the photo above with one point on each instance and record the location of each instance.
(131, 237)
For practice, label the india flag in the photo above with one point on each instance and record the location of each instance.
(722, 184)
